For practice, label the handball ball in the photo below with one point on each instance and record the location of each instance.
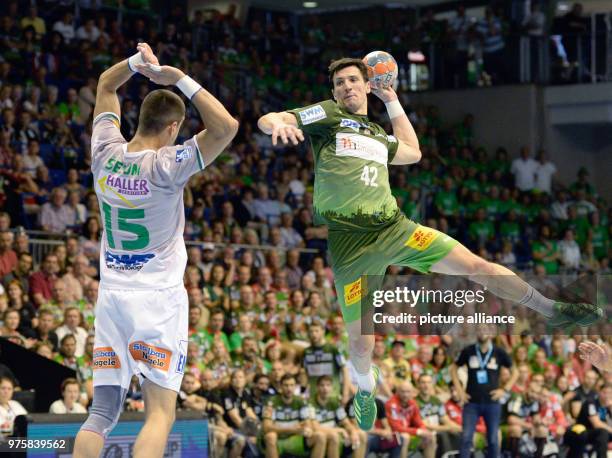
(382, 69)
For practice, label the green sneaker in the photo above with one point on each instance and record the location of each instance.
(570, 315)
(364, 404)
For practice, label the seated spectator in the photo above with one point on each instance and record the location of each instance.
(21, 272)
(524, 416)
(288, 427)
(56, 216)
(398, 364)
(10, 410)
(32, 160)
(78, 279)
(10, 328)
(569, 252)
(72, 326)
(42, 281)
(8, 257)
(220, 363)
(331, 418)
(44, 332)
(238, 414)
(70, 397)
(90, 240)
(592, 426)
(18, 301)
(405, 418)
(434, 415)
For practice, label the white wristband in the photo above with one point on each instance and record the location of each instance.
(394, 109)
(134, 60)
(188, 86)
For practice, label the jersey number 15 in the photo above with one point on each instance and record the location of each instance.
(123, 215)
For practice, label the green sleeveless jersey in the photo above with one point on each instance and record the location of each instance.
(351, 156)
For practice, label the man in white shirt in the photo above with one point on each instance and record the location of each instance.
(65, 27)
(545, 173)
(72, 319)
(570, 251)
(524, 169)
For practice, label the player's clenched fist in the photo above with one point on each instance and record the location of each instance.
(287, 133)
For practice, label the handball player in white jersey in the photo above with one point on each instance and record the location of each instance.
(142, 308)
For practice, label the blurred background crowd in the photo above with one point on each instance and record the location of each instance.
(263, 311)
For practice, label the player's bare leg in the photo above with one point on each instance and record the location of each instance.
(88, 445)
(505, 284)
(160, 408)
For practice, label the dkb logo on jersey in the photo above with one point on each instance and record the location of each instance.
(105, 358)
(183, 154)
(126, 261)
(155, 357)
(352, 292)
(421, 238)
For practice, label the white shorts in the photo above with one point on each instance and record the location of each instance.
(141, 332)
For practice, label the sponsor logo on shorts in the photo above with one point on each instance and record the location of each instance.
(312, 114)
(125, 262)
(350, 124)
(421, 238)
(184, 154)
(154, 357)
(352, 292)
(182, 357)
(105, 358)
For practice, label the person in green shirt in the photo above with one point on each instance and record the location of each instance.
(288, 427)
(599, 236)
(331, 418)
(446, 200)
(482, 230)
(323, 358)
(510, 229)
(204, 338)
(433, 413)
(366, 230)
(546, 252)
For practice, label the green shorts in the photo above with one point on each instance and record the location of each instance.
(403, 243)
(291, 445)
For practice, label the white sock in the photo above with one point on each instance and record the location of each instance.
(366, 382)
(535, 301)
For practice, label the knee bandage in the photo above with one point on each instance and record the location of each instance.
(105, 410)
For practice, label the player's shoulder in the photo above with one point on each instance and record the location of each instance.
(316, 112)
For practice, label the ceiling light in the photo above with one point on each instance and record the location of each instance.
(310, 4)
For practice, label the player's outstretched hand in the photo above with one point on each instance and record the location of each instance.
(287, 133)
(147, 54)
(164, 75)
(595, 354)
(386, 94)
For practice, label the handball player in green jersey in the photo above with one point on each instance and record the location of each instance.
(367, 231)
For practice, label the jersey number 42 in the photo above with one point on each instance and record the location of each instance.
(369, 175)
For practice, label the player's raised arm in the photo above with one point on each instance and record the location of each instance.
(408, 151)
(220, 126)
(283, 125)
(111, 79)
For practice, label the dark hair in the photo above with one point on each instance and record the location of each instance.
(324, 378)
(69, 381)
(217, 311)
(345, 62)
(286, 377)
(159, 109)
(258, 377)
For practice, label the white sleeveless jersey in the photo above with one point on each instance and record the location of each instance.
(141, 205)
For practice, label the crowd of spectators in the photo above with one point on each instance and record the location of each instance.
(264, 321)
